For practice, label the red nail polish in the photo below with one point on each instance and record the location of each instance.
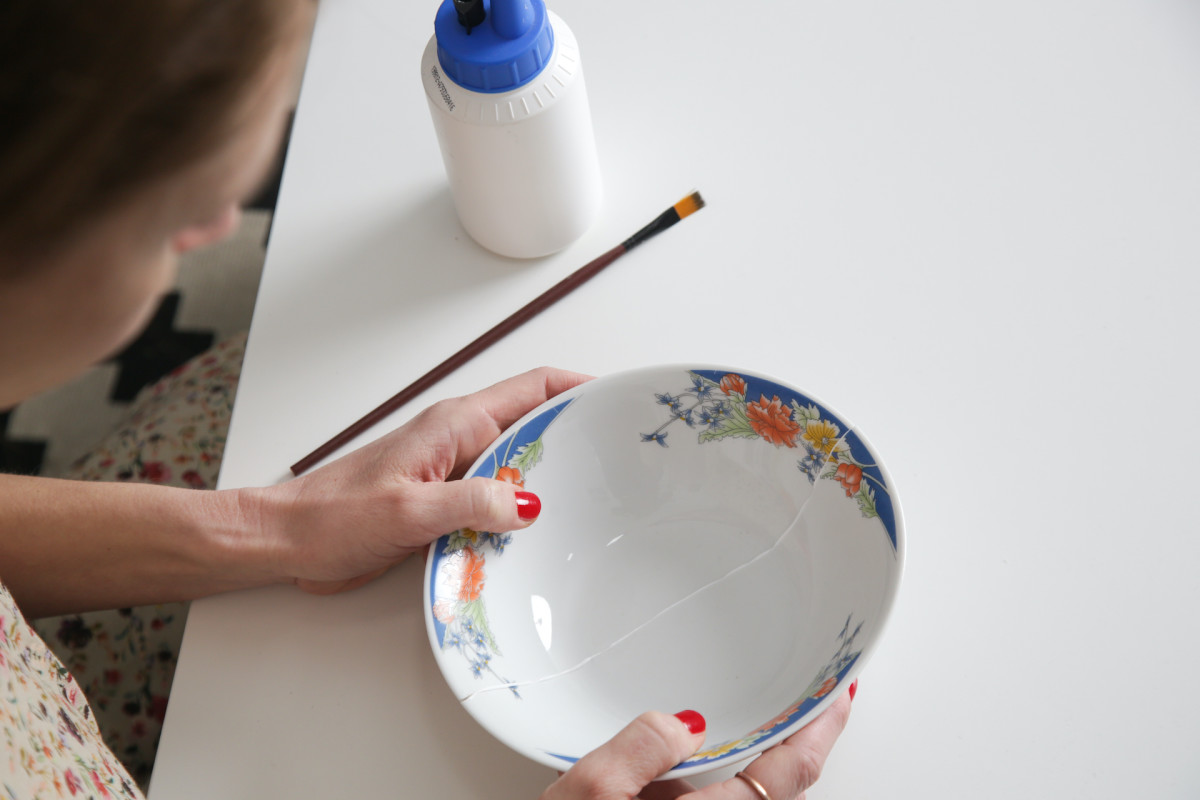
(528, 505)
(695, 723)
(853, 689)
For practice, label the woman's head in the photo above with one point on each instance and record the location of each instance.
(129, 131)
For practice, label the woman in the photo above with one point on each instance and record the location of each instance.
(129, 133)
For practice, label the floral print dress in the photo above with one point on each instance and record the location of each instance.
(56, 743)
(52, 745)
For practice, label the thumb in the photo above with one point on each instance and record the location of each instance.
(639, 753)
(481, 504)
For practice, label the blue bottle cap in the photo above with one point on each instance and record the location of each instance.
(508, 49)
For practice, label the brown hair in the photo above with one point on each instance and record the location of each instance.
(100, 98)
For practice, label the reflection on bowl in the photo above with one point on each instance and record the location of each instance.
(710, 538)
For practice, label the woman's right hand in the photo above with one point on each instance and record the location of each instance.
(624, 767)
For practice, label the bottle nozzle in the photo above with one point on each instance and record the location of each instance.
(470, 13)
(511, 19)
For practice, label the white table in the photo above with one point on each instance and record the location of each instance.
(974, 228)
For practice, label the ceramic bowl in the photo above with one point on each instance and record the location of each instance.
(710, 539)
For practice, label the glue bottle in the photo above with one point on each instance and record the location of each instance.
(505, 88)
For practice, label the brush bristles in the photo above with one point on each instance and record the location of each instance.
(689, 205)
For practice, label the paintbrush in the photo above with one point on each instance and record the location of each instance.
(688, 205)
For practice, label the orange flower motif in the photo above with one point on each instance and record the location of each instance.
(773, 421)
(849, 476)
(733, 383)
(510, 475)
(473, 576)
(825, 688)
(779, 719)
(719, 750)
(444, 611)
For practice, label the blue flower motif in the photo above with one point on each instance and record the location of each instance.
(669, 400)
(661, 438)
(499, 541)
(712, 415)
(686, 416)
(702, 388)
(454, 640)
(477, 668)
(812, 463)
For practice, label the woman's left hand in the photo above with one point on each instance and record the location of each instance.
(349, 521)
(624, 767)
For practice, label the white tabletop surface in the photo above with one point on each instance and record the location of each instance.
(973, 228)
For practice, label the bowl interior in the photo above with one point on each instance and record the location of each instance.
(709, 539)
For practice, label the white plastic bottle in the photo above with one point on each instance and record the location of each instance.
(505, 87)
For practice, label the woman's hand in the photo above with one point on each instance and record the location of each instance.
(623, 768)
(333, 529)
(348, 522)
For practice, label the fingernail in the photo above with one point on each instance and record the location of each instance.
(528, 505)
(695, 723)
(853, 689)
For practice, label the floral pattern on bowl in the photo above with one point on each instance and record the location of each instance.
(460, 559)
(718, 406)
